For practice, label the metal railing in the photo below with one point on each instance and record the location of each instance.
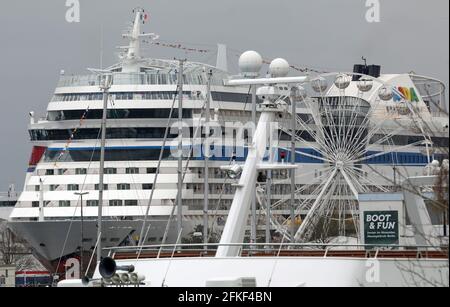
(148, 78)
(280, 249)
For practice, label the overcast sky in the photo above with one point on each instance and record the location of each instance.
(37, 42)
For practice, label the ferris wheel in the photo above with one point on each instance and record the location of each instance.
(349, 132)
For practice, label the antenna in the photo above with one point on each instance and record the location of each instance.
(365, 60)
(132, 53)
(101, 46)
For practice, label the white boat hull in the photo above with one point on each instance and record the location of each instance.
(55, 240)
(293, 271)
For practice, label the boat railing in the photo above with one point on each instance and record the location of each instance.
(8, 194)
(148, 78)
(280, 250)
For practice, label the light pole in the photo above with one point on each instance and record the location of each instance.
(81, 194)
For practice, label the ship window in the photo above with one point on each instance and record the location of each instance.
(64, 203)
(151, 170)
(117, 113)
(105, 187)
(37, 188)
(132, 170)
(7, 204)
(92, 203)
(110, 171)
(123, 186)
(57, 115)
(147, 186)
(49, 172)
(232, 97)
(92, 133)
(54, 116)
(73, 187)
(131, 202)
(115, 203)
(81, 171)
(53, 187)
(131, 154)
(35, 204)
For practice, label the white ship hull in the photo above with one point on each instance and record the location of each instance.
(293, 271)
(55, 240)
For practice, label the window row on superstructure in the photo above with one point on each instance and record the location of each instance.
(94, 187)
(154, 113)
(409, 139)
(116, 114)
(93, 134)
(221, 197)
(153, 154)
(133, 133)
(213, 172)
(92, 203)
(159, 95)
(92, 171)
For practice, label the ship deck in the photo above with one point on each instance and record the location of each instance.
(291, 250)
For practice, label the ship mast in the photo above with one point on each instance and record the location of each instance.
(180, 148)
(234, 229)
(130, 64)
(105, 85)
(132, 56)
(207, 156)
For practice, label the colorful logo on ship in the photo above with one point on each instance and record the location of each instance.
(405, 94)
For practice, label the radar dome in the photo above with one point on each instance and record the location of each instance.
(279, 68)
(250, 63)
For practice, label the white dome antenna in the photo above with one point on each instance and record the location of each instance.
(250, 64)
(279, 68)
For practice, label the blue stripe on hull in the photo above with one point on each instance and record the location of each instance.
(399, 158)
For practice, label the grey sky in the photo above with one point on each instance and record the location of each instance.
(37, 42)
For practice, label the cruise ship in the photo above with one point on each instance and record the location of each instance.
(398, 126)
